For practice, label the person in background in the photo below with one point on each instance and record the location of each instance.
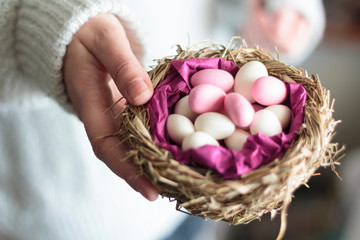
(62, 64)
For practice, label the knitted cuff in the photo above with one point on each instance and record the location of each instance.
(44, 30)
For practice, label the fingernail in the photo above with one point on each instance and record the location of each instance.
(149, 192)
(138, 92)
(152, 196)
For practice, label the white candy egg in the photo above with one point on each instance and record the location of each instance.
(266, 122)
(182, 107)
(198, 139)
(178, 127)
(283, 113)
(215, 124)
(237, 140)
(246, 76)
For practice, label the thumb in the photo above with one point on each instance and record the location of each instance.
(111, 47)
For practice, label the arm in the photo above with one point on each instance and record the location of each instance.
(72, 42)
(45, 29)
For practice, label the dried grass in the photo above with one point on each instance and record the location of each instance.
(268, 189)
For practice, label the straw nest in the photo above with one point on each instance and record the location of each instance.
(267, 189)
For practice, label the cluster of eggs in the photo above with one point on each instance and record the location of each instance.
(220, 107)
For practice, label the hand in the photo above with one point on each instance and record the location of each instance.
(99, 69)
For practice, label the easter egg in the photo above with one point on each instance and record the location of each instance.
(239, 109)
(266, 122)
(182, 107)
(206, 98)
(246, 76)
(283, 113)
(198, 139)
(237, 139)
(178, 127)
(269, 91)
(215, 124)
(217, 77)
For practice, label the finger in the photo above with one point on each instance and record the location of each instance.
(91, 96)
(107, 41)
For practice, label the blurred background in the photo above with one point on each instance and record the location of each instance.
(330, 208)
(337, 61)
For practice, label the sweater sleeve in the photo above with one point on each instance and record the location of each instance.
(45, 28)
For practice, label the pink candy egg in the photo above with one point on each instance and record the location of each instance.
(217, 77)
(269, 91)
(239, 109)
(266, 122)
(206, 98)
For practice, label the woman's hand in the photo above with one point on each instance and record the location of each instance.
(99, 69)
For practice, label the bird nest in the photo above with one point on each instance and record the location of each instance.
(268, 189)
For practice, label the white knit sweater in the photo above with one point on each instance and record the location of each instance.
(51, 185)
